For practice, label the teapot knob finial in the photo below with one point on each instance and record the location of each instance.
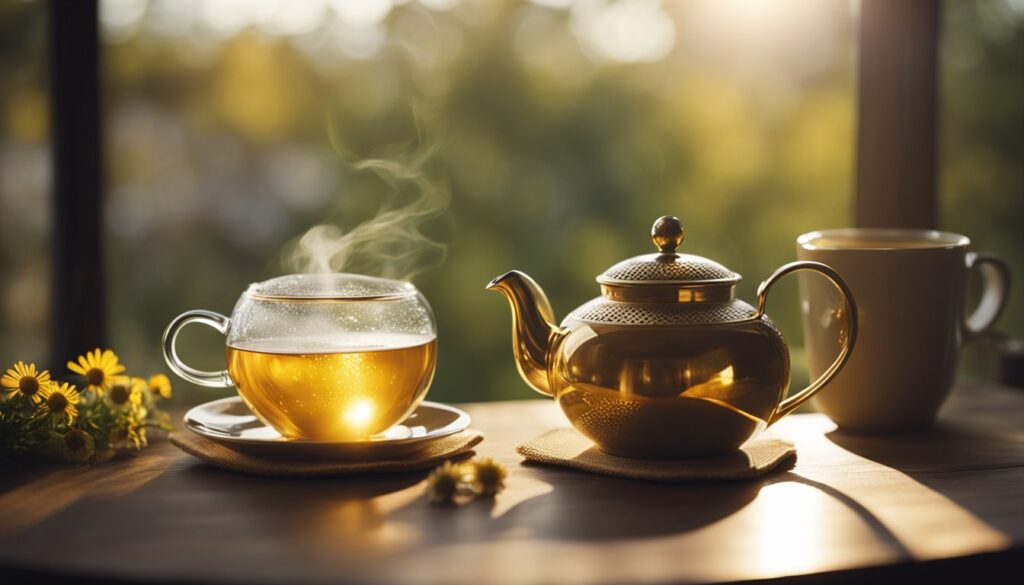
(667, 233)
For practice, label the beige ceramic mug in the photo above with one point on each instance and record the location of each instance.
(910, 287)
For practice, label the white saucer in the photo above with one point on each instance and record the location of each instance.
(229, 421)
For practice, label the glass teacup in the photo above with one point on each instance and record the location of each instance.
(326, 357)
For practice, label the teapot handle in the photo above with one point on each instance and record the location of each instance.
(219, 322)
(847, 315)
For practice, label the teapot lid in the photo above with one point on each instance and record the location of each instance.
(668, 276)
(330, 287)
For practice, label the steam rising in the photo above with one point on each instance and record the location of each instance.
(392, 243)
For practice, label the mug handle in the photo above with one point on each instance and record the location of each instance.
(219, 322)
(847, 315)
(995, 274)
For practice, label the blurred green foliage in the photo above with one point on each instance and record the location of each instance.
(561, 131)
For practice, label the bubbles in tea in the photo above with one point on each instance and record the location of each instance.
(349, 390)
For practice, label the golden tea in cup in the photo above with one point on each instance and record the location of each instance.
(360, 388)
(330, 357)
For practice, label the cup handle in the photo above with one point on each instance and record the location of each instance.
(847, 314)
(219, 322)
(995, 274)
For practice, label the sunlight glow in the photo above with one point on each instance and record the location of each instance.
(439, 5)
(223, 19)
(726, 376)
(294, 18)
(927, 522)
(797, 34)
(628, 31)
(363, 12)
(122, 13)
(792, 523)
(120, 18)
(359, 415)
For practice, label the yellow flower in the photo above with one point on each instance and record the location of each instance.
(445, 482)
(130, 432)
(160, 385)
(24, 380)
(77, 445)
(137, 436)
(61, 400)
(137, 399)
(99, 368)
(488, 476)
(124, 391)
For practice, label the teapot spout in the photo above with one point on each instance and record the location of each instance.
(533, 327)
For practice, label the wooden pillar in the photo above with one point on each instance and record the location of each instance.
(78, 311)
(897, 114)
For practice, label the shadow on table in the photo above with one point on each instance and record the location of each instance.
(952, 459)
(593, 508)
(577, 506)
(875, 524)
(583, 507)
(947, 446)
(320, 511)
(587, 508)
(309, 489)
(566, 505)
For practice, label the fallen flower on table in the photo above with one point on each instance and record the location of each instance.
(444, 482)
(488, 476)
(479, 476)
(42, 418)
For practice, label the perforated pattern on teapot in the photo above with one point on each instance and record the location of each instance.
(614, 313)
(662, 268)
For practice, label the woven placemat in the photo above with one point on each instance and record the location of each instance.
(431, 455)
(568, 448)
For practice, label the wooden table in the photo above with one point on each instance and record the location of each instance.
(949, 502)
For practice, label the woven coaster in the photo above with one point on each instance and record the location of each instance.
(431, 455)
(568, 448)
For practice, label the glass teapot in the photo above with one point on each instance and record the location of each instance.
(666, 362)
